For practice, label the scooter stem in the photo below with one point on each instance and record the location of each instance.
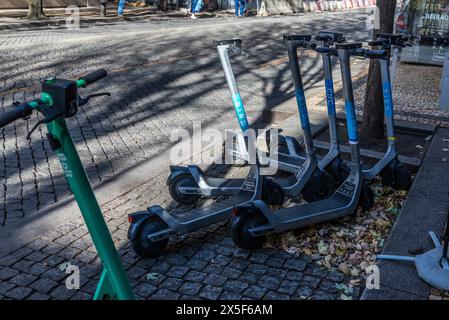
(113, 283)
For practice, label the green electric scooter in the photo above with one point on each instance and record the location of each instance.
(60, 100)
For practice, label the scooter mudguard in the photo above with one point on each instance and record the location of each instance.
(136, 219)
(239, 212)
(176, 171)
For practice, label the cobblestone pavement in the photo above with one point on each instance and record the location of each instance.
(206, 265)
(163, 74)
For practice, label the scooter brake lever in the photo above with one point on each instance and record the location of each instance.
(82, 101)
(49, 113)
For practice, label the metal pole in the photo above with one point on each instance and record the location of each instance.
(292, 46)
(388, 102)
(223, 52)
(351, 120)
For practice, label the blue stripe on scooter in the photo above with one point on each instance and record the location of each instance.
(351, 121)
(302, 107)
(388, 100)
(330, 97)
(240, 111)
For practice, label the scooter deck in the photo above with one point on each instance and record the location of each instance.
(222, 207)
(224, 182)
(315, 209)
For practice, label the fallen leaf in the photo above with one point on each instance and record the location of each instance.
(152, 276)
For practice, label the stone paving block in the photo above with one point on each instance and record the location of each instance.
(248, 277)
(271, 295)
(215, 280)
(328, 286)
(171, 283)
(8, 261)
(38, 268)
(304, 291)
(38, 296)
(54, 274)
(44, 285)
(5, 287)
(321, 295)
(18, 293)
(255, 292)
(7, 273)
(165, 294)
(269, 282)
(22, 265)
(210, 292)
(190, 288)
(23, 279)
(62, 293)
(310, 282)
(230, 296)
(235, 286)
(177, 272)
(295, 264)
(37, 256)
(258, 269)
(145, 289)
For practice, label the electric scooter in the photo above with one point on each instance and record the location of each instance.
(188, 184)
(60, 100)
(390, 169)
(251, 222)
(150, 230)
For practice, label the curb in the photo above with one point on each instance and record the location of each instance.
(424, 210)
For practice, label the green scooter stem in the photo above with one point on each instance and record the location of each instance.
(114, 283)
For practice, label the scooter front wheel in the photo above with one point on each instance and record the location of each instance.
(366, 200)
(240, 227)
(183, 180)
(320, 186)
(142, 245)
(396, 176)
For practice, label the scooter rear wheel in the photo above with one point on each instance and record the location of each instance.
(366, 200)
(240, 230)
(320, 186)
(143, 246)
(183, 180)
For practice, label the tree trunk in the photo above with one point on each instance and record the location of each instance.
(35, 9)
(163, 5)
(373, 111)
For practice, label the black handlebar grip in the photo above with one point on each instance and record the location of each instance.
(376, 43)
(326, 50)
(375, 54)
(94, 76)
(21, 111)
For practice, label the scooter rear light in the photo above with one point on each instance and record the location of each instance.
(130, 219)
(235, 211)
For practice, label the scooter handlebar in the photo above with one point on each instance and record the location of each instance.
(22, 110)
(327, 50)
(371, 54)
(94, 76)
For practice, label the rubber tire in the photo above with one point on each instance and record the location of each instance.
(338, 170)
(320, 186)
(239, 231)
(145, 247)
(179, 197)
(401, 177)
(366, 200)
(272, 193)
